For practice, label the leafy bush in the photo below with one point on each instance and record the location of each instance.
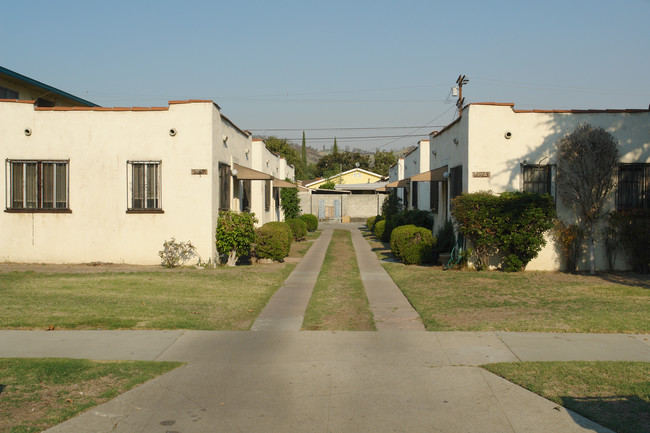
(389, 225)
(288, 233)
(513, 224)
(523, 219)
(311, 220)
(235, 234)
(412, 245)
(634, 229)
(272, 242)
(568, 238)
(176, 253)
(298, 228)
(290, 202)
(445, 238)
(370, 222)
(379, 229)
(392, 205)
(328, 185)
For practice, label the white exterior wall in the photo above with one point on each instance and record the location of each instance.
(483, 147)
(98, 143)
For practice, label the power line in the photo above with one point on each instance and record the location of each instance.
(345, 129)
(369, 137)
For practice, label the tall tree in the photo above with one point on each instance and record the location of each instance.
(587, 159)
(329, 165)
(383, 160)
(304, 149)
(335, 148)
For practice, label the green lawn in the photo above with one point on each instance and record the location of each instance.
(39, 393)
(222, 298)
(524, 301)
(613, 394)
(339, 299)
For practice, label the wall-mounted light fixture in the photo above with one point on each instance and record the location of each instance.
(234, 172)
(246, 151)
(446, 174)
(455, 140)
(225, 139)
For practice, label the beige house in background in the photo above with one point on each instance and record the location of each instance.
(496, 147)
(354, 176)
(86, 184)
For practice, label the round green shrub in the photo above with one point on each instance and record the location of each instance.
(272, 242)
(370, 222)
(412, 245)
(311, 220)
(284, 227)
(379, 228)
(298, 228)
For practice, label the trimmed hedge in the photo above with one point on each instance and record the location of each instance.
(284, 227)
(379, 229)
(272, 242)
(370, 222)
(311, 220)
(412, 245)
(298, 228)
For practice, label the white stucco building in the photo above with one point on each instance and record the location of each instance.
(494, 147)
(87, 184)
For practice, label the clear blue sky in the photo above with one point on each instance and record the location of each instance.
(305, 65)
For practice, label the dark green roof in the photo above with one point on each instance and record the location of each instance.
(17, 76)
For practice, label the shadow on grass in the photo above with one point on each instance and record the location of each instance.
(623, 414)
(628, 279)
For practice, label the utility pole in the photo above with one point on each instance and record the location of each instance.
(461, 81)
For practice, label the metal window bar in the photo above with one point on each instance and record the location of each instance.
(38, 184)
(537, 178)
(144, 185)
(633, 186)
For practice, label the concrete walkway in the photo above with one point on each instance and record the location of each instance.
(285, 381)
(281, 380)
(285, 311)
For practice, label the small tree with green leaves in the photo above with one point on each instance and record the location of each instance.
(587, 159)
(235, 234)
(290, 202)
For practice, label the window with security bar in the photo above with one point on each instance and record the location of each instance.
(144, 186)
(37, 185)
(633, 189)
(538, 178)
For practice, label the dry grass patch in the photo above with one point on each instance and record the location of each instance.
(39, 393)
(339, 299)
(614, 394)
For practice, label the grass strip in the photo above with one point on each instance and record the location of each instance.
(339, 300)
(39, 393)
(209, 299)
(613, 394)
(529, 301)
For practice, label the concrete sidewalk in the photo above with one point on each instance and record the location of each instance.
(285, 311)
(279, 381)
